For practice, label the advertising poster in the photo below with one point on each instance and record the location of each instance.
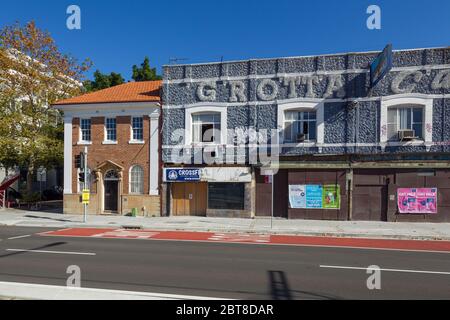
(417, 200)
(331, 196)
(313, 196)
(297, 196)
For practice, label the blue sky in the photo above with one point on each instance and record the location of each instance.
(117, 34)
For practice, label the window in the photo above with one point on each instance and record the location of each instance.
(138, 128)
(226, 196)
(206, 127)
(85, 129)
(299, 126)
(136, 180)
(404, 118)
(111, 132)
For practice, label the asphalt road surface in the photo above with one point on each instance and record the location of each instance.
(223, 270)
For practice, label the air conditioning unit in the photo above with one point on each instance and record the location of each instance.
(406, 135)
(300, 137)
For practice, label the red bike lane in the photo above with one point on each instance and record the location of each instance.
(252, 238)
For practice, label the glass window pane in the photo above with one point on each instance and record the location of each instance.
(137, 180)
(312, 130)
(226, 196)
(288, 131)
(417, 115)
(405, 119)
(418, 130)
(312, 115)
(290, 115)
(392, 115)
(392, 132)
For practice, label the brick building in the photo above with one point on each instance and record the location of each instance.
(120, 128)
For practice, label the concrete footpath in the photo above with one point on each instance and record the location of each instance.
(360, 229)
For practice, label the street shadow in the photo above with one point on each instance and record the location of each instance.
(280, 289)
(54, 244)
(279, 286)
(47, 218)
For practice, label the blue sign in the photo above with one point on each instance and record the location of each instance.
(182, 174)
(381, 66)
(313, 196)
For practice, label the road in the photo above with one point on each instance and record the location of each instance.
(224, 270)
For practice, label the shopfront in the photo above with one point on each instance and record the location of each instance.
(211, 191)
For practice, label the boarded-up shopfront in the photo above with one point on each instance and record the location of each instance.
(373, 193)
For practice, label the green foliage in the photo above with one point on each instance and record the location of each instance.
(103, 81)
(30, 130)
(145, 72)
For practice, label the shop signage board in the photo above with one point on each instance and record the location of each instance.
(181, 174)
(314, 196)
(381, 66)
(417, 200)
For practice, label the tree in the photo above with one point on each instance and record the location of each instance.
(145, 73)
(103, 81)
(34, 75)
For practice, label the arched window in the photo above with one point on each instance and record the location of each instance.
(136, 180)
(111, 175)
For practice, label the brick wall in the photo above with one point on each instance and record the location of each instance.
(122, 153)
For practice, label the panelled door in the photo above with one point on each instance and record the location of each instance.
(111, 189)
(189, 199)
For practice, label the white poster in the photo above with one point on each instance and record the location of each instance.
(297, 196)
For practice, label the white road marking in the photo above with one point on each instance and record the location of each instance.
(389, 270)
(56, 252)
(19, 237)
(51, 292)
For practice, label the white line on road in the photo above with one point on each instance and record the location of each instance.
(390, 270)
(19, 237)
(56, 252)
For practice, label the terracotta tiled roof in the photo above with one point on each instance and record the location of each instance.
(144, 91)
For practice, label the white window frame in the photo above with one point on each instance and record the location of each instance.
(302, 120)
(105, 139)
(410, 109)
(317, 107)
(214, 124)
(132, 140)
(130, 180)
(417, 100)
(80, 136)
(222, 110)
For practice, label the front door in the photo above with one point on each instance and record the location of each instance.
(111, 202)
(189, 199)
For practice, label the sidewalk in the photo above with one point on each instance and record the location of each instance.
(360, 229)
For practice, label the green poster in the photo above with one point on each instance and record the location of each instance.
(331, 196)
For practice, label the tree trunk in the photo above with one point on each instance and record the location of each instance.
(30, 175)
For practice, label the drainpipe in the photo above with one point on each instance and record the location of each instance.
(349, 179)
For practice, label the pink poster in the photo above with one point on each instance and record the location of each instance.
(417, 200)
